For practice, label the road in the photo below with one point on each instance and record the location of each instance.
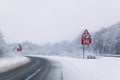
(37, 69)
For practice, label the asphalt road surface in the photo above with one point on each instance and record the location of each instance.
(37, 69)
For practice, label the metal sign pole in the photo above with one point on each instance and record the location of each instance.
(83, 51)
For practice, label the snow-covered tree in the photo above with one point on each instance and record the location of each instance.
(111, 39)
(107, 40)
(98, 39)
(3, 45)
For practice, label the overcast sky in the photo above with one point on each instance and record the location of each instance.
(43, 21)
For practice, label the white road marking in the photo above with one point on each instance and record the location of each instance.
(34, 73)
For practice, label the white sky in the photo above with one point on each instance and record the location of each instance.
(42, 21)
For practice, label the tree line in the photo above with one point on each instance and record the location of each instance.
(104, 41)
(107, 40)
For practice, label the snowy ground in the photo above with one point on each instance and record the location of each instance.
(88, 69)
(65, 68)
(9, 63)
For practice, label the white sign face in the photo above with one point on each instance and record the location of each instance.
(86, 34)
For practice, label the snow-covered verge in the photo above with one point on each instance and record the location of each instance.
(96, 69)
(105, 68)
(9, 63)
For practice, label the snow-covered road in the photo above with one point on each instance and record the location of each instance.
(65, 68)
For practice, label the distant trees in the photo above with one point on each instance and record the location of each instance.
(29, 45)
(104, 41)
(3, 45)
(107, 40)
(98, 40)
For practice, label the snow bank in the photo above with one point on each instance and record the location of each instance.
(7, 64)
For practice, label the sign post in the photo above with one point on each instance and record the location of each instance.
(85, 40)
(83, 51)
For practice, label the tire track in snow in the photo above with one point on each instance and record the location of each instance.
(56, 72)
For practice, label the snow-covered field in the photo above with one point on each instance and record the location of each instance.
(105, 68)
(9, 63)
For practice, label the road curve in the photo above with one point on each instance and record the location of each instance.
(37, 69)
